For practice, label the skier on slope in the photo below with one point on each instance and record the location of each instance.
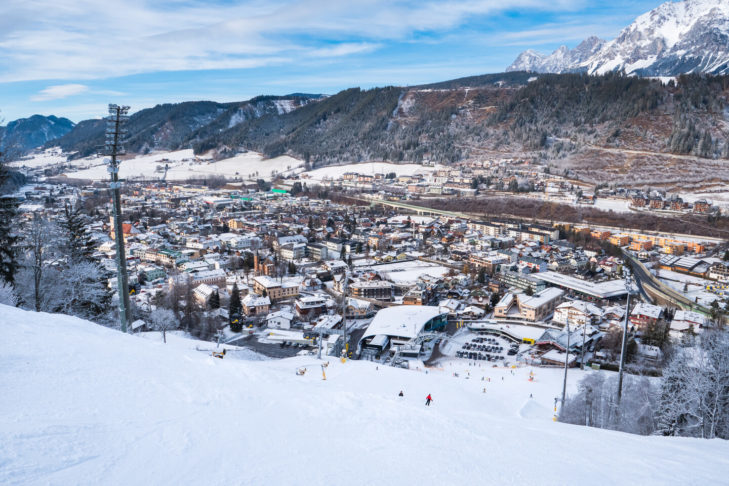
(428, 399)
(400, 394)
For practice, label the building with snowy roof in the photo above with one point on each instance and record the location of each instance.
(684, 320)
(358, 309)
(204, 292)
(610, 289)
(310, 306)
(528, 308)
(398, 325)
(644, 314)
(255, 304)
(279, 320)
(577, 313)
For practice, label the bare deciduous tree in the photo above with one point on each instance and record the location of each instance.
(163, 320)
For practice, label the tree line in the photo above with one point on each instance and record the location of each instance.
(690, 400)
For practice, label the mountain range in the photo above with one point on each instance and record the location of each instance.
(24, 134)
(689, 36)
(608, 126)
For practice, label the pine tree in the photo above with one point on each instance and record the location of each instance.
(8, 238)
(214, 300)
(481, 276)
(80, 245)
(234, 310)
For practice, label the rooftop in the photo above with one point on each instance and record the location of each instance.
(405, 321)
(600, 290)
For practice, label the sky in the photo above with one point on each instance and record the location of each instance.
(72, 57)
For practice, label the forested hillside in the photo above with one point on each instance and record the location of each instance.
(549, 117)
(25, 134)
(171, 126)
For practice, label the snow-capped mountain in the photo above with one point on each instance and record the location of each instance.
(674, 38)
(560, 60)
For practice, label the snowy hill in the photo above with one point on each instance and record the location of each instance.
(674, 38)
(83, 404)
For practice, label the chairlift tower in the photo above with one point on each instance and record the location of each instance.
(115, 132)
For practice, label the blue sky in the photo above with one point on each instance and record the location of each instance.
(72, 58)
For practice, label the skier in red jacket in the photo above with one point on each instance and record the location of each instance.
(428, 399)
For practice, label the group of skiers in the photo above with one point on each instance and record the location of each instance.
(428, 399)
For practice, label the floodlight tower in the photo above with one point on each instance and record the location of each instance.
(623, 345)
(113, 148)
(344, 310)
(566, 366)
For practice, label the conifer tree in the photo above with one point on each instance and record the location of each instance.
(8, 237)
(80, 245)
(234, 310)
(214, 300)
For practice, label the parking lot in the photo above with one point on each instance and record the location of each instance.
(476, 347)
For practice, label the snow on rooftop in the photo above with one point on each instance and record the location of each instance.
(601, 290)
(541, 298)
(648, 310)
(558, 356)
(405, 321)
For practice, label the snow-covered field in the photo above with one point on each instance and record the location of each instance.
(369, 168)
(82, 404)
(47, 158)
(182, 165)
(717, 195)
(612, 204)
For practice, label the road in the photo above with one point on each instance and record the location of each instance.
(661, 293)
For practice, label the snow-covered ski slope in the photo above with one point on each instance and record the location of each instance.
(82, 404)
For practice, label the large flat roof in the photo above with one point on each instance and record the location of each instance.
(404, 321)
(600, 290)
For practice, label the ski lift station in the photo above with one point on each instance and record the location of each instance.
(400, 326)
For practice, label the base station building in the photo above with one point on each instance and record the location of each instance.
(399, 325)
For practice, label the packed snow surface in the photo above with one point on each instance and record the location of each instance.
(82, 404)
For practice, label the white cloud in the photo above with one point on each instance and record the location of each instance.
(344, 49)
(59, 91)
(88, 39)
